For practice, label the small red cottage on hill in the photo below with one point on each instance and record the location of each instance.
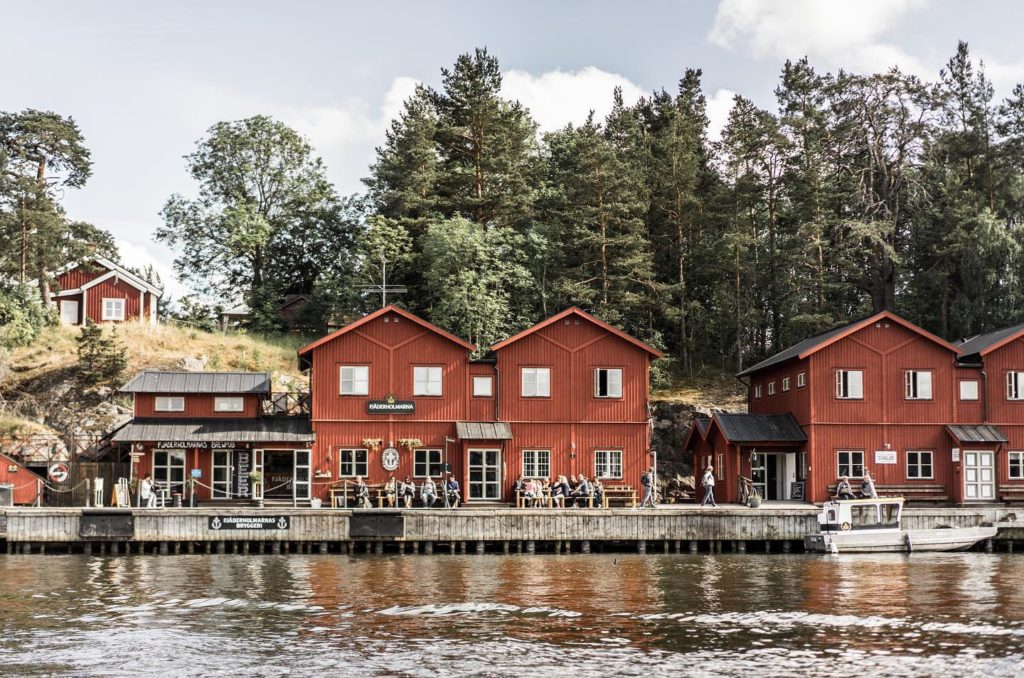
(102, 291)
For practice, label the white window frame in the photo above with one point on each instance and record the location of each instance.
(606, 463)
(478, 382)
(169, 403)
(536, 463)
(977, 390)
(358, 380)
(613, 382)
(801, 379)
(720, 466)
(1014, 385)
(117, 308)
(757, 391)
(426, 380)
(427, 459)
(229, 404)
(919, 464)
(916, 385)
(771, 387)
(1010, 457)
(358, 462)
(848, 387)
(785, 384)
(850, 464)
(531, 384)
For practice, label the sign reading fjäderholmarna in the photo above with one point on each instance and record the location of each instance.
(390, 405)
(248, 523)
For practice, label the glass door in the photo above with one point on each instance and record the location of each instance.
(301, 475)
(485, 475)
(257, 467)
(979, 476)
(759, 474)
(169, 472)
(222, 474)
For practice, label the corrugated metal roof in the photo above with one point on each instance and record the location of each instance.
(198, 382)
(274, 430)
(981, 433)
(796, 349)
(980, 342)
(702, 424)
(760, 428)
(483, 430)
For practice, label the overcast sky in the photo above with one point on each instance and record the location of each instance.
(146, 79)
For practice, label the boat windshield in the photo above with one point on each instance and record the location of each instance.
(890, 513)
(864, 515)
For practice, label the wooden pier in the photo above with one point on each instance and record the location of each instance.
(211, 529)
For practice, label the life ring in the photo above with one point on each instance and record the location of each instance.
(846, 526)
(59, 472)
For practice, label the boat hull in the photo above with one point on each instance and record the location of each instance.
(897, 541)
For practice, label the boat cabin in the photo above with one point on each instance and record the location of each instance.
(844, 515)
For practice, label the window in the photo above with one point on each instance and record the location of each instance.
(919, 465)
(720, 466)
(969, 389)
(537, 463)
(353, 462)
(426, 381)
(536, 382)
(607, 383)
(801, 379)
(170, 404)
(483, 387)
(1015, 385)
(757, 391)
(169, 470)
(801, 466)
(226, 404)
(113, 309)
(850, 384)
(355, 380)
(851, 463)
(785, 383)
(608, 463)
(771, 388)
(1016, 465)
(427, 463)
(917, 385)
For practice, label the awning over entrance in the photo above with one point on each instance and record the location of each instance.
(483, 430)
(979, 433)
(270, 430)
(760, 428)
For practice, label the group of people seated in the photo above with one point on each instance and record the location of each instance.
(405, 492)
(562, 492)
(867, 488)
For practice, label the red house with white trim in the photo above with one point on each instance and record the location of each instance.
(102, 291)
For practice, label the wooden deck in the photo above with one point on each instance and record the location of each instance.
(665, 529)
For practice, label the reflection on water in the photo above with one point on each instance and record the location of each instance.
(941, 614)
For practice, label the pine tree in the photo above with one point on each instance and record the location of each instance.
(101, 360)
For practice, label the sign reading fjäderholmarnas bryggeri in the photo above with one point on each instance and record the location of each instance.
(248, 522)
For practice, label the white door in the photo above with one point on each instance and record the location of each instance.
(485, 475)
(257, 466)
(301, 475)
(223, 472)
(979, 475)
(68, 312)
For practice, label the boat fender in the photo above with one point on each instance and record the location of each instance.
(846, 526)
(909, 544)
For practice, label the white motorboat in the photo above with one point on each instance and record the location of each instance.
(873, 525)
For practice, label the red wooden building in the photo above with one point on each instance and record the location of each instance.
(215, 428)
(922, 414)
(103, 291)
(393, 394)
(22, 483)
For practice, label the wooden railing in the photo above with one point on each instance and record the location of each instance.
(286, 405)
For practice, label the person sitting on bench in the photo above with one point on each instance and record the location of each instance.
(582, 492)
(408, 491)
(451, 488)
(362, 493)
(391, 491)
(428, 493)
(843, 489)
(598, 492)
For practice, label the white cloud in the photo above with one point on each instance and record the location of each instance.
(140, 255)
(719, 107)
(558, 97)
(843, 33)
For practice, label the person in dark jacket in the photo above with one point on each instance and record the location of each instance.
(582, 492)
(843, 489)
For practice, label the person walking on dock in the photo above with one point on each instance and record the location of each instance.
(708, 481)
(647, 480)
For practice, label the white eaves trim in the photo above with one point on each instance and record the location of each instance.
(113, 270)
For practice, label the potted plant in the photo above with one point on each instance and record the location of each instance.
(315, 502)
(256, 487)
(133, 492)
(410, 444)
(372, 444)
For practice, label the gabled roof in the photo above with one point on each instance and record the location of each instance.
(983, 344)
(583, 314)
(153, 381)
(759, 428)
(114, 270)
(391, 308)
(814, 344)
(698, 429)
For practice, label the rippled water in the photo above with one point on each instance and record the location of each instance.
(769, 615)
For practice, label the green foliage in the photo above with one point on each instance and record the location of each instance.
(101, 360)
(21, 314)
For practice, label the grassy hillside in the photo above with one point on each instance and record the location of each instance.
(717, 392)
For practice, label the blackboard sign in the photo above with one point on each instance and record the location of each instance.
(796, 491)
(249, 523)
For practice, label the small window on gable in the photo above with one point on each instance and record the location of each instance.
(169, 404)
(801, 379)
(771, 388)
(785, 384)
(917, 385)
(607, 383)
(969, 389)
(850, 384)
(426, 381)
(536, 382)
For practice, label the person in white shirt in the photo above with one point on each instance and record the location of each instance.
(428, 492)
(708, 481)
(146, 491)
